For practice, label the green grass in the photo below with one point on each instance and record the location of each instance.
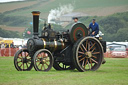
(114, 72)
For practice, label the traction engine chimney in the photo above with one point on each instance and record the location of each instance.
(35, 23)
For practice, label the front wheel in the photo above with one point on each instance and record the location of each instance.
(87, 54)
(43, 60)
(22, 60)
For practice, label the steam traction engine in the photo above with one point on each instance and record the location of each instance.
(67, 50)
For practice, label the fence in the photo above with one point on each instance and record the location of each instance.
(12, 51)
(8, 51)
(109, 55)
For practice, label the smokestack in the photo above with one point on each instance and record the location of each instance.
(35, 23)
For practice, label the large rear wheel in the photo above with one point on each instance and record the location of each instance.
(87, 54)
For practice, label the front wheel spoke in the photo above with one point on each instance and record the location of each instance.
(82, 59)
(42, 66)
(29, 59)
(21, 65)
(47, 60)
(38, 61)
(96, 53)
(45, 57)
(19, 57)
(27, 65)
(46, 64)
(94, 61)
(38, 64)
(19, 61)
(84, 48)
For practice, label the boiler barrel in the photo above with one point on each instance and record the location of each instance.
(36, 44)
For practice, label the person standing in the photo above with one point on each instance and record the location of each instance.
(2, 49)
(12, 45)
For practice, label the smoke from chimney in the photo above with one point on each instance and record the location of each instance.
(61, 10)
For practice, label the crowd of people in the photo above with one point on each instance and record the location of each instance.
(6, 45)
(9, 49)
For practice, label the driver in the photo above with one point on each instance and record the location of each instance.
(94, 28)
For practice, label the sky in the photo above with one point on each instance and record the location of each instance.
(2, 1)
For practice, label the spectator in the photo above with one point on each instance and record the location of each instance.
(12, 45)
(0, 45)
(2, 48)
(6, 45)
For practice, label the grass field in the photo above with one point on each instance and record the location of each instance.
(91, 7)
(114, 72)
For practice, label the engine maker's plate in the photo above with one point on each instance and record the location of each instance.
(77, 31)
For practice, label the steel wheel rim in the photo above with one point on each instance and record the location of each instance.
(89, 54)
(43, 61)
(23, 61)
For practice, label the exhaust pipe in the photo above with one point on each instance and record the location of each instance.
(35, 23)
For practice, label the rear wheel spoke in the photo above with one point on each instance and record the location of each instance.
(94, 57)
(89, 65)
(81, 52)
(81, 48)
(93, 49)
(96, 53)
(82, 59)
(85, 63)
(91, 62)
(84, 48)
(79, 56)
(86, 43)
(92, 46)
(94, 61)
